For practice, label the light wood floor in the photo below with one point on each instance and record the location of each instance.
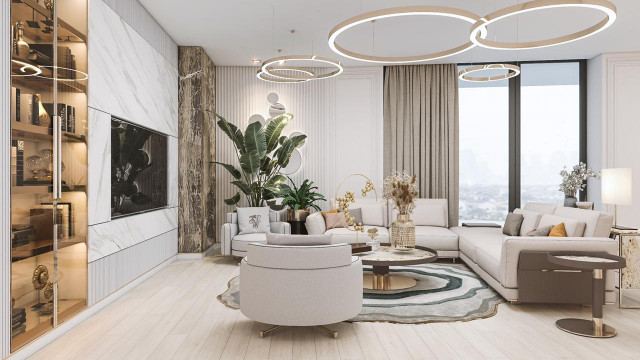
(175, 315)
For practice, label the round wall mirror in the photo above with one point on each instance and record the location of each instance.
(295, 162)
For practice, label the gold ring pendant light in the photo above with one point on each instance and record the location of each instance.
(513, 70)
(399, 12)
(480, 27)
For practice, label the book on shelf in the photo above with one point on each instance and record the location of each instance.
(35, 110)
(26, 108)
(71, 119)
(19, 146)
(21, 235)
(14, 103)
(17, 107)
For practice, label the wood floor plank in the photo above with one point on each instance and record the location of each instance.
(175, 315)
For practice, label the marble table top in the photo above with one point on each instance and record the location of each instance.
(388, 254)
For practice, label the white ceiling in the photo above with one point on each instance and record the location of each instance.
(235, 31)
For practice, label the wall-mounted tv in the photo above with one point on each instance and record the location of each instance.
(138, 169)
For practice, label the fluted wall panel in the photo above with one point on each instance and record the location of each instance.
(112, 272)
(5, 179)
(342, 118)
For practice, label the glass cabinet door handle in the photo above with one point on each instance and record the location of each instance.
(57, 157)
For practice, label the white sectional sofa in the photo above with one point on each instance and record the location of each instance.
(500, 260)
(430, 218)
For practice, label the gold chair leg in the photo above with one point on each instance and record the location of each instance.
(271, 329)
(332, 333)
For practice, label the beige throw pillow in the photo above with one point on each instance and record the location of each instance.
(335, 220)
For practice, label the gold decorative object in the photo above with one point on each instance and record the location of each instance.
(480, 27)
(48, 291)
(40, 277)
(48, 4)
(43, 116)
(373, 233)
(401, 188)
(22, 48)
(343, 203)
(513, 70)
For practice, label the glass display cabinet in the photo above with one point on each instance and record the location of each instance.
(48, 165)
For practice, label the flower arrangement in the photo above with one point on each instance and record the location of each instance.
(401, 188)
(575, 179)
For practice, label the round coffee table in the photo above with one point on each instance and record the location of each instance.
(596, 262)
(384, 257)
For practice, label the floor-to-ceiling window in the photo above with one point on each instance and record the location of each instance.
(549, 128)
(484, 151)
(516, 136)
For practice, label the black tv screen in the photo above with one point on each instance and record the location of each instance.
(138, 169)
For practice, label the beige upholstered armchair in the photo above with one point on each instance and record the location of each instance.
(293, 284)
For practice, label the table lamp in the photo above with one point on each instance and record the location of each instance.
(616, 190)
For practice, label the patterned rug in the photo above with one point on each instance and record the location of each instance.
(444, 292)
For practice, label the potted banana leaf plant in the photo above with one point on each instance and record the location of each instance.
(300, 199)
(261, 152)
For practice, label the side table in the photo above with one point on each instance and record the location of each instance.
(629, 277)
(597, 263)
(298, 227)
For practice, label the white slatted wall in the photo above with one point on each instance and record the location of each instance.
(342, 118)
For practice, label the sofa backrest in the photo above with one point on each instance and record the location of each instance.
(596, 223)
(374, 213)
(428, 212)
(299, 257)
(274, 216)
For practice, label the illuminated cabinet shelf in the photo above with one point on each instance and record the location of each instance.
(49, 153)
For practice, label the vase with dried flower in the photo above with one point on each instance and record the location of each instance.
(401, 189)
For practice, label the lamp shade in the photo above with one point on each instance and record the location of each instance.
(616, 186)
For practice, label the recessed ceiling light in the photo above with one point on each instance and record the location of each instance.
(255, 61)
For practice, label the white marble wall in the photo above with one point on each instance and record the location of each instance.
(119, 234)
(129, 78)
(133, 81)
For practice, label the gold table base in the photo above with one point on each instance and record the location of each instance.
(589, 328)
(387, 282)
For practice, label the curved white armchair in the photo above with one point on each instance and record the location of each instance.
(300, 285)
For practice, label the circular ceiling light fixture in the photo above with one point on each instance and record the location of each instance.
(514, 70)
(270, 68)
(264, 77)
(399, 12)
(26, 69)
(480, 27)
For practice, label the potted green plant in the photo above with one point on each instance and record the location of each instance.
(261, 153)
(300, 199)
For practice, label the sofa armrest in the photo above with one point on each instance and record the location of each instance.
(513, 245)
(280, 227)
(229, 231)
(315, 224)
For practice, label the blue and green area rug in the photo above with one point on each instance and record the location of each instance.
(444, 292)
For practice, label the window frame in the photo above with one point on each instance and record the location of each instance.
(515, 161)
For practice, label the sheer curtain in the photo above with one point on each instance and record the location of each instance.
(421, 128)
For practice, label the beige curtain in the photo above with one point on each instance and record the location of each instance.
(421, 128)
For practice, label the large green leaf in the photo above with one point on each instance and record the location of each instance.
(233, 133)
(232, 200)
(234, 172)
(273, 184)
(243, 186)
(254, 139)
(274, 129)
(284, 151)
(250, 162)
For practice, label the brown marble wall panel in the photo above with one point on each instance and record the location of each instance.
(196, 144)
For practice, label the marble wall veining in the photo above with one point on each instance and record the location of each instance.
(129, 78)
(196, 136)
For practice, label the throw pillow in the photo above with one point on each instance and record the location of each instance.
(253, 220)
(558, 231)
(298, 240)
(356, 214)
(324, 213)
(335, 220)
(512, 224)
(541, 231)
(530, 222)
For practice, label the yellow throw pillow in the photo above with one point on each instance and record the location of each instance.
(334, 211)
(558, 231)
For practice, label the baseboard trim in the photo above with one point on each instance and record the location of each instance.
(51, 336)
(197, 256)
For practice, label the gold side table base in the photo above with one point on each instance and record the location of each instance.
(387, 282)
(588, 328)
